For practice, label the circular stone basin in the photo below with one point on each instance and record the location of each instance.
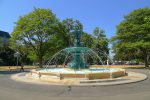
(92, 73)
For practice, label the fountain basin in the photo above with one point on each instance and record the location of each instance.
(91, 73)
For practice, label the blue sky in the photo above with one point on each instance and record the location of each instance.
(91, 13)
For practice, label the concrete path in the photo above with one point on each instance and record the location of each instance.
(13, 90)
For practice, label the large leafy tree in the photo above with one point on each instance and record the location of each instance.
(133, 36)
(100, 44)
(87, 40)
(35, 31)
(69, 26)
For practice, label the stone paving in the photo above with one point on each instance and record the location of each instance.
(13, 90)
(130, 78)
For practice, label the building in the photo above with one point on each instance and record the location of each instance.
(4, 38)
(4, 34)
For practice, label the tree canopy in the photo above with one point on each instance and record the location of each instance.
(70, 26)
(133, 36)
(100, 44)
(39, 34)
(36, 32)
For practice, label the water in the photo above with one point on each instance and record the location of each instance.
(83, 71)
(75, 58)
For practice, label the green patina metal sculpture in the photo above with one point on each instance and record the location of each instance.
(78, 61)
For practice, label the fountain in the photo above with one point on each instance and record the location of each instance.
(77, 63)
(78, 66)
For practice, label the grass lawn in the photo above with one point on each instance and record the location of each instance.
(128, 66)
(13, 68)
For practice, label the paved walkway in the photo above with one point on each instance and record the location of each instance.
(131, 78)
(13, 90)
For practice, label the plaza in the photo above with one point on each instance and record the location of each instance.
(16, 90)
(75, 50)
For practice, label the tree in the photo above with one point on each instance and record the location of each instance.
(69, 26)
(87, 40)
(133, 35)
(100, 44)
(6, 53)
(64, 37)
(35, 31)
(7, 56)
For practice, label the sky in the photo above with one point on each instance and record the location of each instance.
(106, 14)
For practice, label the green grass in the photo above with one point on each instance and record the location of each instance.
(8, 68)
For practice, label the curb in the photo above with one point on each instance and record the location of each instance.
(132, 77)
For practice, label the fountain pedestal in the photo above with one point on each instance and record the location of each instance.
(78, 62)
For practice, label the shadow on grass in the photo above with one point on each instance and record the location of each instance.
(11, 72)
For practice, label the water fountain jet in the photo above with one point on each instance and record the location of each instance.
(77, 62)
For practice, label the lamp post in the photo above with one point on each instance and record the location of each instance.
(17, 55)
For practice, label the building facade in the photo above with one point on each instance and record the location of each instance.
(4, 38)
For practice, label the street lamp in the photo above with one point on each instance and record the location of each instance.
(17, 55)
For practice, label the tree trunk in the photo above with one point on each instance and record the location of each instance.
(145, 58)
(40, 61)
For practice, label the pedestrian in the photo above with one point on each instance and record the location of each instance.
(22, 65)
(9, 68)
